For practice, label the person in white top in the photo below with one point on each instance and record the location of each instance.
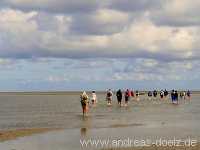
(109, 95)
(94, 97)
(162, 94)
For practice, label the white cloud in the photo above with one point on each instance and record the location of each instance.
(110, 16)
(18, 34)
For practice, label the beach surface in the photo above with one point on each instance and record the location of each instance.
(49, 121)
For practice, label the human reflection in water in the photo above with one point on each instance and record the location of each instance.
(83, 132)
(85, 126)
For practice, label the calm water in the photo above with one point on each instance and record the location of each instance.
(142, 119)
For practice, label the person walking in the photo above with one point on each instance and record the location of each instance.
(109, 95)
(127, 95)
(84, 103)
(119, 97)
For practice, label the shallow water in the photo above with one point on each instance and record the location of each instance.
(146, 118)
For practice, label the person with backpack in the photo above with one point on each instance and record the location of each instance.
(137, 94)
(166, 93)
(119, 97)
(155, 93)
(149, 95)
(161, 94)
(127, 95)
(176, 97)
(182, 95)
(109, 95)
(188, 94)
(84, 102)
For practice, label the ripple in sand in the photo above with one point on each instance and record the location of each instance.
(126, 125)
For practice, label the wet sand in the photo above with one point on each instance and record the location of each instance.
(197, 147)
(14, 134)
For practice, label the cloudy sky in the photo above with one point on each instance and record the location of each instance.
(99, 44)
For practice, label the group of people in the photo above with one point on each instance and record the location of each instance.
(183, 95)
(119, 94)
(128, 94)
(174, 95)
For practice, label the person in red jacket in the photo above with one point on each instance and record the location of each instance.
(127, 95)
(132, 93)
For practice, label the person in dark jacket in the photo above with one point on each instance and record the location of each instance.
(119, 97)
(176, 96)
(166, 93)
(150, 94)
(188, 94)
(173, 96)
(155, 93)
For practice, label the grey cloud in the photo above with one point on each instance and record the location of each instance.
(162, 12)
(184, 20)
(89, 25)
(136, 5)
(177, 13)
(54, 6)
(46, 21)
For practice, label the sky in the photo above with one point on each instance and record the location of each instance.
(99, 44)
